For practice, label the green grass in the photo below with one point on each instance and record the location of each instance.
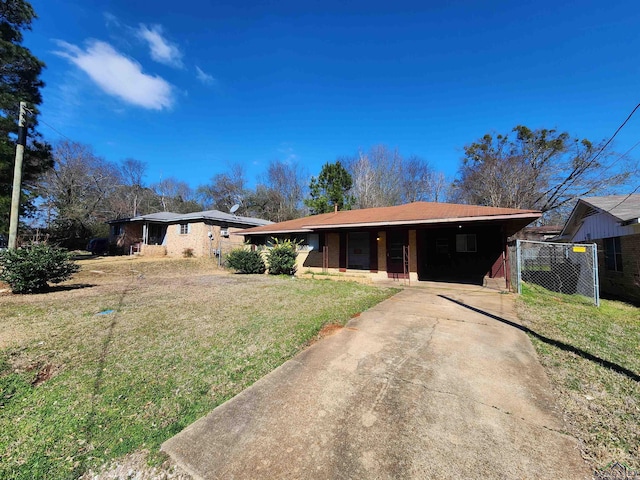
(182, 340)
(601, 405)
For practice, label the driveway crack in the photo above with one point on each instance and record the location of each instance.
(473, 400)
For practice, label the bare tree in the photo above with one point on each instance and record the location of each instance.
(132, 172)
(176, 196)
(537, 169)
(76, 191)
(279, 196)
(383, 177)
(377, 177)
(225, 190)
(420, 183)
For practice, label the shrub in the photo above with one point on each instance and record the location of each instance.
(30, 269)
(245, 261)
(282, 258)
(187, 253)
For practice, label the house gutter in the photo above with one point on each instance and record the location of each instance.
(426, 222)
(269, 232)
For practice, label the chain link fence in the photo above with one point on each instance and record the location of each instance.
(570, 268)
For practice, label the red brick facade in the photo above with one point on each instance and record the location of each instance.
(625, 284)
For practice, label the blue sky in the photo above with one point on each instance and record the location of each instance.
(191, 88)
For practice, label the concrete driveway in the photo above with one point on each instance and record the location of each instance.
(417, 387)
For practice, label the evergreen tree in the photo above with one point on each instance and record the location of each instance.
(19, 81)
(330, 189)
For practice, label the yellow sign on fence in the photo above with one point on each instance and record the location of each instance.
(579, 249)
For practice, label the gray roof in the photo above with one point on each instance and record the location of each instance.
(212, 215)
(623, 207)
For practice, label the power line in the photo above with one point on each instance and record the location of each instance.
(605, 146)
(616, 132)
(624, 199)
(49, 125)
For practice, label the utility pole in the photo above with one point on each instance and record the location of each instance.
(17, 178)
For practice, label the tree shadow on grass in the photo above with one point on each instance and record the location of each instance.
(59, 288)
(90, 424)
(66, 288)
(550, 341)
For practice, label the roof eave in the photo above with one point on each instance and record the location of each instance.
(311, 228)
(483, 218)
(274, 232)
(633, 221)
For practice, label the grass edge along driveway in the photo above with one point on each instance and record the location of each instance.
(592, 356)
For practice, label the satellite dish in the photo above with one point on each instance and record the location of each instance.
(234, 209)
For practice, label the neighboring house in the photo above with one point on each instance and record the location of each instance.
(613, 223)
(176, 234)
(543, 233)
(422, 241)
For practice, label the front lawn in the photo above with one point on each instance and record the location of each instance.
(594, 365)
(130, 352)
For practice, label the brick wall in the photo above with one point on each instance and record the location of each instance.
(625, 284)
(153, 250)
(132, 234)
(198, 240)
(310, 260)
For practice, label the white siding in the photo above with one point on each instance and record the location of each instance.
(600, 225)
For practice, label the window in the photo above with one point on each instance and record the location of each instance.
(117, 229)
(613, 254)
(183, 228)
(466, 242)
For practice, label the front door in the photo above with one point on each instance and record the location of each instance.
(396, 240)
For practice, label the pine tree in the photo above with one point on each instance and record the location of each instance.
(330, 190)
(19, 81)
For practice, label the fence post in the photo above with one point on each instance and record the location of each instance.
(596, 284)
(518, 267)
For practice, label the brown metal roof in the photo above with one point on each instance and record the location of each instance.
(409, 214)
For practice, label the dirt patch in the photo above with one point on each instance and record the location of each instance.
(136, 467)
(41, 369)
(46, 372)
(329, 329)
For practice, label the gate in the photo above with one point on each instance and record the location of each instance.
(570, 268)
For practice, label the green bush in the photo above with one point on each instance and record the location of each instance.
(282, 258)
(31, 269)
(245, 261)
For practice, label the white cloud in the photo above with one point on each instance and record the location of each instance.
(110, 19)
(161, 49)
(205, 78)
(119, 75)
(288, 153)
